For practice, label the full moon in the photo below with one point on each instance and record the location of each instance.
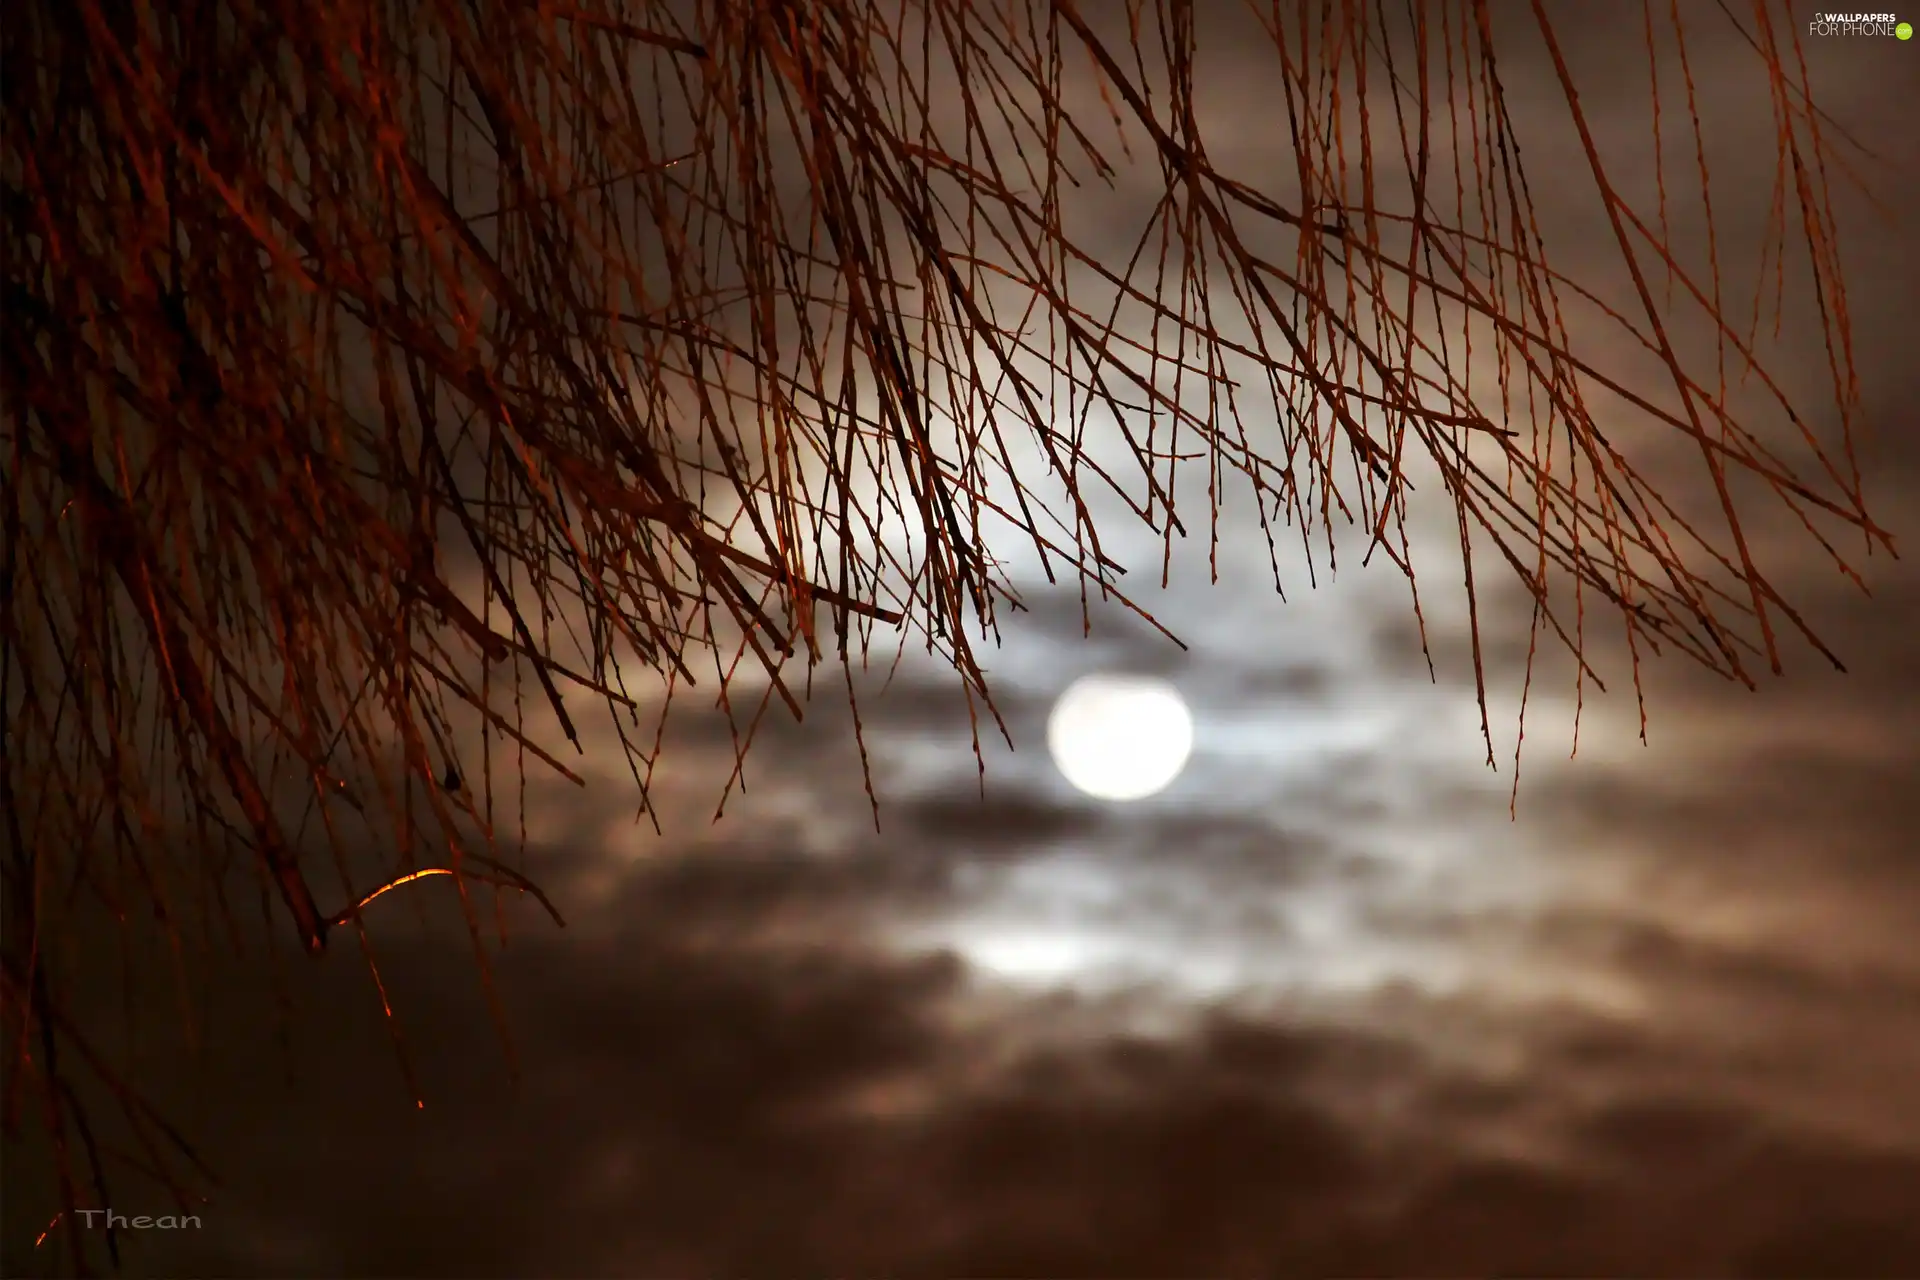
(1120, 737)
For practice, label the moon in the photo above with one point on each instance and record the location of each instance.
(1120, 737)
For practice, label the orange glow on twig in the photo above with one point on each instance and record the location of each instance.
(409, 878)
(500, 877)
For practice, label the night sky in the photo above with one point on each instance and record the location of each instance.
(1320, 1007)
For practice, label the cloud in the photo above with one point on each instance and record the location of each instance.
(698, 1101)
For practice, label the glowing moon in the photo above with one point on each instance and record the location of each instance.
(1120, 737)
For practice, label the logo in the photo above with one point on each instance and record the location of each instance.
(1859, 24)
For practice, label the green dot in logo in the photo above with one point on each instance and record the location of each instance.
(1904, 30)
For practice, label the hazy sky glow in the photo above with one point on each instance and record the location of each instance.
(1318, 1006)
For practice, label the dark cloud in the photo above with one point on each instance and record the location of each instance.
(1011, 823)
(694, 1101)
